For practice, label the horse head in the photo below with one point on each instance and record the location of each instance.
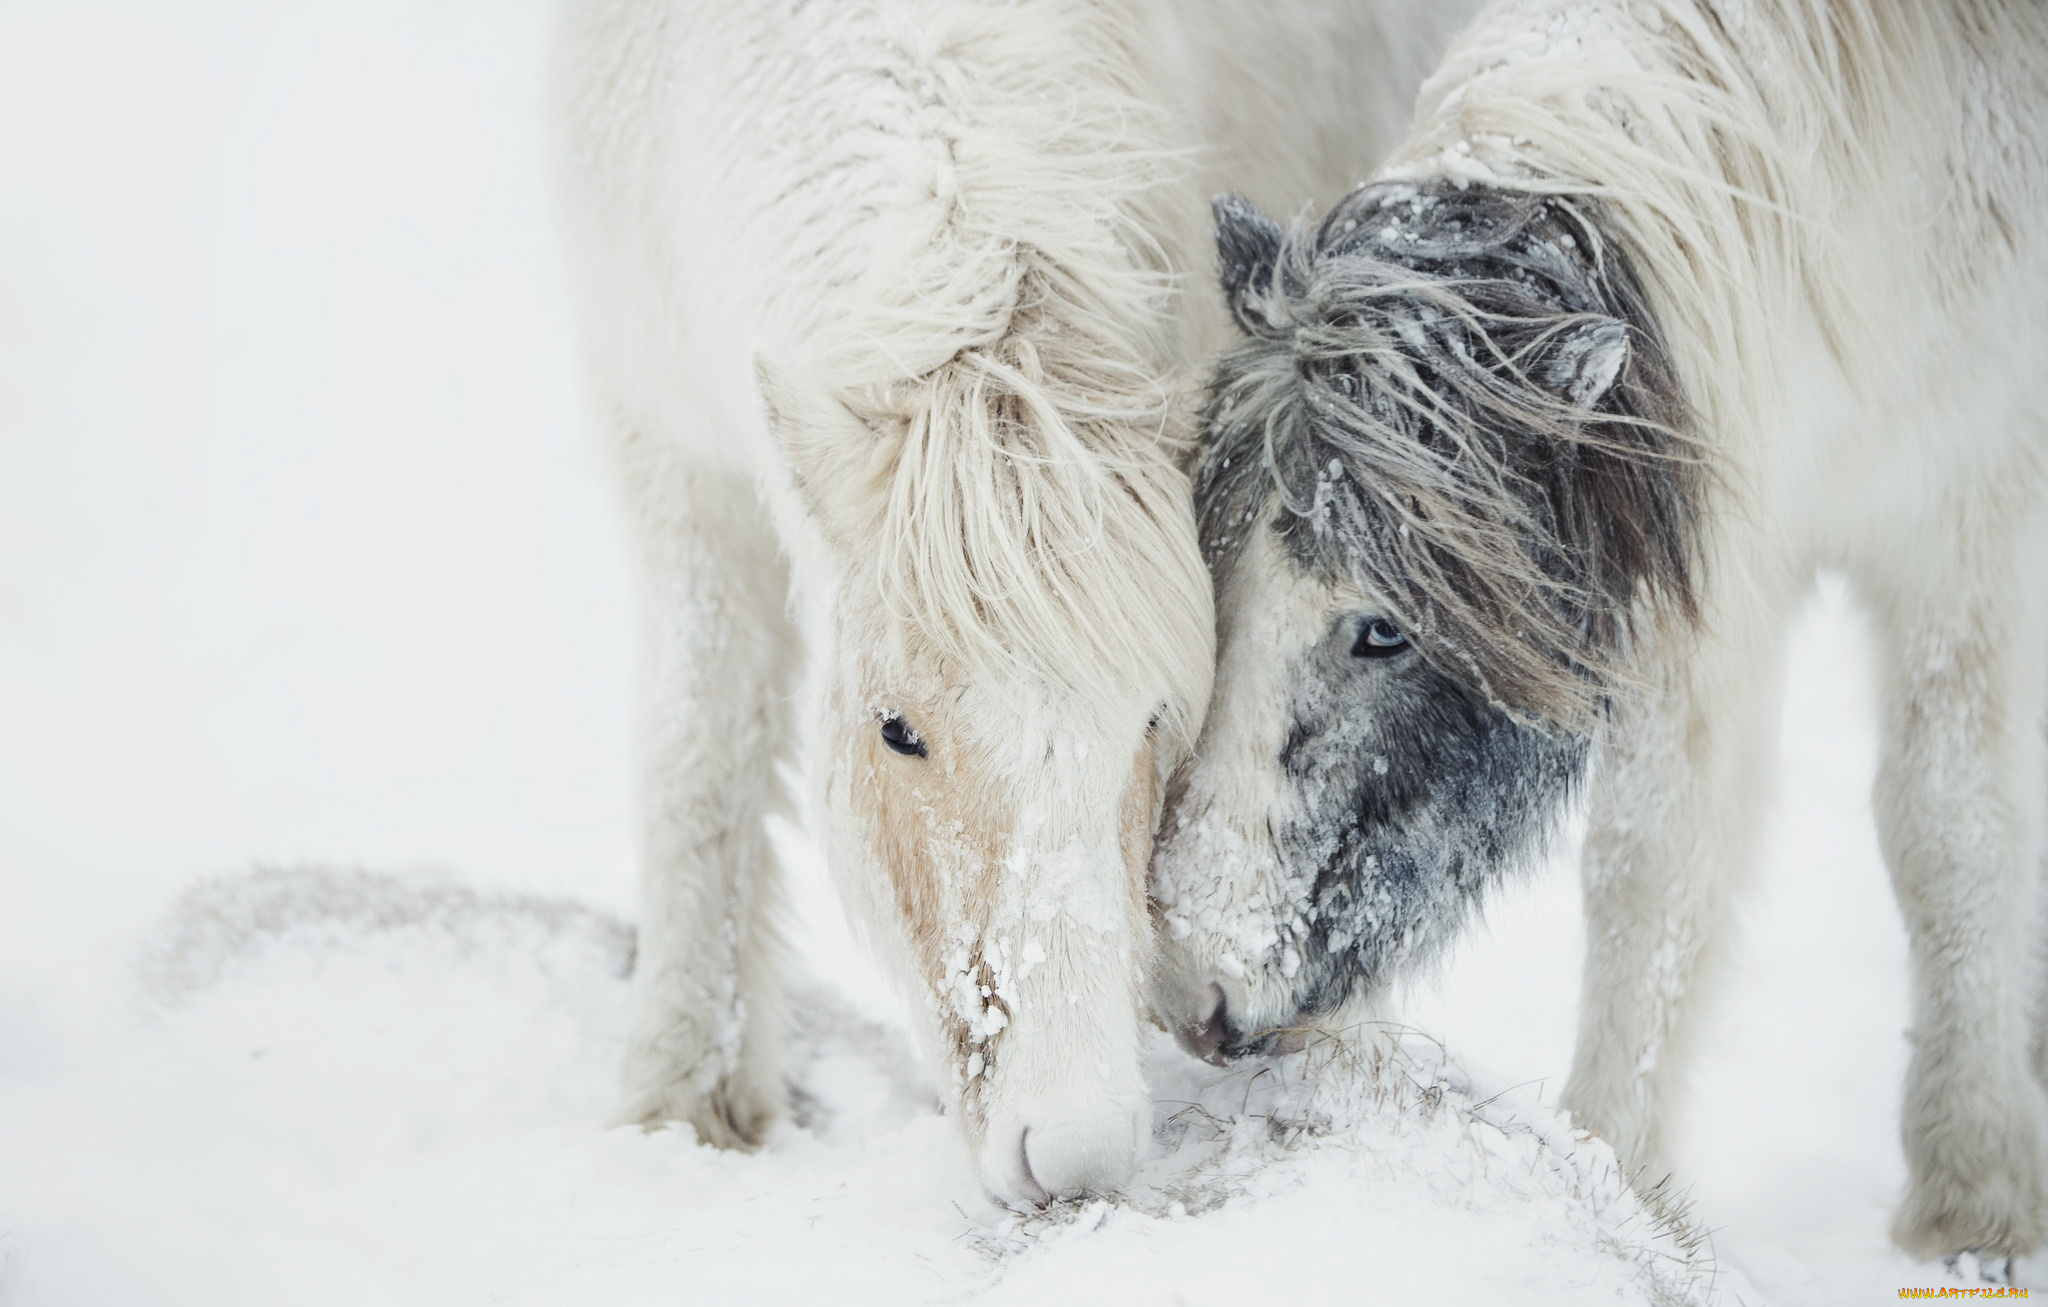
(1443, 480)
(1020, 648)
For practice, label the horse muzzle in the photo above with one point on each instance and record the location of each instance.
(1064, 1151)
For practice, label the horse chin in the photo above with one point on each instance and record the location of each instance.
(1306, 1029)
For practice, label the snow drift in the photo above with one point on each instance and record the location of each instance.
(392, 1088)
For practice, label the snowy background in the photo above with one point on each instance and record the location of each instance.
(308, 564)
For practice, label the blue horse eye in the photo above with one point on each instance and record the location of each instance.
(1378, 638)
(896, 733)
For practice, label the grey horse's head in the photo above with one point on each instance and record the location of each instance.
(1444, 485)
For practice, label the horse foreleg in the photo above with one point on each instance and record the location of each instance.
(707, 1022)
(1959, 809)
(1679, 778)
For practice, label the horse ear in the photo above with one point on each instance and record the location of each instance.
(1583, 364)
(829, 451)
(1247, 251)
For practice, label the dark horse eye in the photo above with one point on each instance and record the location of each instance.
(896, 733)
(1378, 638)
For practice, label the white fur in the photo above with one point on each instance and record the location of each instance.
(886, 316)
(1842, 214)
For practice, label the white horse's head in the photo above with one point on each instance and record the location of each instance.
(1020, 649)
(1443, 486)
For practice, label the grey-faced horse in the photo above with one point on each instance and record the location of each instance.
(1527, 455)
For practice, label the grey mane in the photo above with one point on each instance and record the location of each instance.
(1462, 401)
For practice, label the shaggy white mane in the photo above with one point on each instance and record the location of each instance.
(1023, 395)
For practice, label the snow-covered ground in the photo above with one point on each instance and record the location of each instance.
(307, 562)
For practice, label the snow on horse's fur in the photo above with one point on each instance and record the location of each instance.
(1532, 449)
(886, 315)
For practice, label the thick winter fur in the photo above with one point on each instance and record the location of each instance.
(890, 314)
(1663, 306)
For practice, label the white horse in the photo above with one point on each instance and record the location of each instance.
(1532, 449)
(886, 317)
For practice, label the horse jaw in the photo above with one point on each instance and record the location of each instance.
(1223, 900)
(1002, 876)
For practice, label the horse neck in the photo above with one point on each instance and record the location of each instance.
(930, 153)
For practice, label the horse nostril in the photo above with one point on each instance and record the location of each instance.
(1035, 1192)
(1074, 1156)
(1205, 1037)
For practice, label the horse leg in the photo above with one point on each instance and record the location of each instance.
(705, 1042)
(2040, 1020)
(1680, 775)
(1959, 814)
